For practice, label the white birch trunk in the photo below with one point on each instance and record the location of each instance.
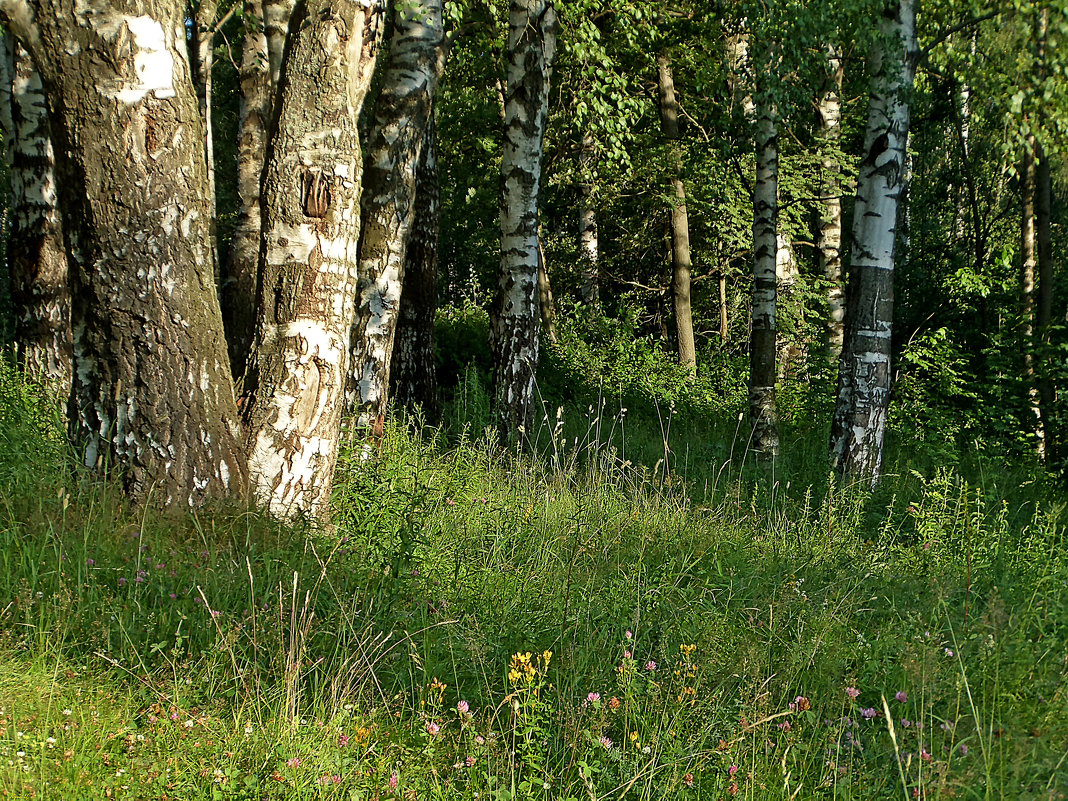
(308, 269)
(589, 245)
(239, 282)
(37, 259)
(402, 111)
(762, 374)
(531, 47)
(863, 400)
(829, 237)
(152, 400)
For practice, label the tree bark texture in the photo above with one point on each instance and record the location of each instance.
(402, 112)
(589, 246)
(413, 372)
(203, 62)
(308, 264)
(239, 280)
(532, 26)
(36, 256)
(762, 413)
(152, 398)
(1044, 315)
(546, 303)
(276, 17)
(829, 235)
(863, 399)
(680, 224)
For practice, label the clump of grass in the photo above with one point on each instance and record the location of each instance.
(480, 624)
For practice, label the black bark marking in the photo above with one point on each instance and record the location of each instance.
(315, 190)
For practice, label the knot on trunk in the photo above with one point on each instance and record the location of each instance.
(315, 189)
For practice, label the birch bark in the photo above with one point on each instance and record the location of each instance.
(413, 372)
(532, 26)
(680, 222)
(863, 398)
(402, 111)
(829, 235)
(589, 245)
(152, 397)
(36, 257)
(308, 266)
(1028, 262)
(239, 283)
(762, 413)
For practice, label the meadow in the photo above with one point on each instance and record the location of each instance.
(642, 611)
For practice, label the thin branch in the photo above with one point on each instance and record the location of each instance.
(957, 29)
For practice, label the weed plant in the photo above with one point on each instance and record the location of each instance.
(641, 612)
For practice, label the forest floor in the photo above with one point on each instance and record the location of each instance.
(477, 625)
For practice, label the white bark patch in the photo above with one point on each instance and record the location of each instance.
(153, 64)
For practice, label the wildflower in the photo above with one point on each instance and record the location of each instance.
(949, 652)
(248, 729)
(480, 740)
(650, 666)
(432, 728)
(450, 501)
(67, 713)
(963, 750)
(393, 780)
(122, 581)
(173, 595)
(470, 762)
(613, 703)
(292, 763)
(852, 692)
(688, 780)
(785, 725)
(189, 723)
(868, 713)
(801, 704)
(733, 788)
(90, 562)
(927, 546)
(463, 708)
(593, 698)
(627, 655)
(733, 769)
(342, 741)
(948, 725)
(630, 634)
(606, 743)
(905, 723)
(924, 755)
(901, 696)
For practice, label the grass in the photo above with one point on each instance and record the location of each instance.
(585, 625)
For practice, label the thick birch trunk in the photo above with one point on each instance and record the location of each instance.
(863, 398)
(239, 283)
(152, 399)
(1028, 262)
(589, 246)
(680, 224)
(829, 236)
(37, 259)
(413, 373)
(532, 28)
(762, 414)
(402, 111)
(308, 268)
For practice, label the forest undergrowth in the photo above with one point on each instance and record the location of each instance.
(641, 612)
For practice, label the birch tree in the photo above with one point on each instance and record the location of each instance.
(829, 233)
(402, 112)
(532, 29)
(308, 265)
(863, 394)
(152, 393)
(413, 372)
(680, 224)
(36, 256)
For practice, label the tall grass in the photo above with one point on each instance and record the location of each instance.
(698, 624)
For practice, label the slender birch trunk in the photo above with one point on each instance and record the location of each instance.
(762, 412)
(308, 268)
(680, 224)
(829, 236)
(1028, 262)
(36, 257)
(859, 424)
(532, 26)
(546, 304)
(402, 112)
(152, 399)
(589, 246)
(203, 62)
(413, 372)
(1044, 248)
(239, 283)
(276, 17)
